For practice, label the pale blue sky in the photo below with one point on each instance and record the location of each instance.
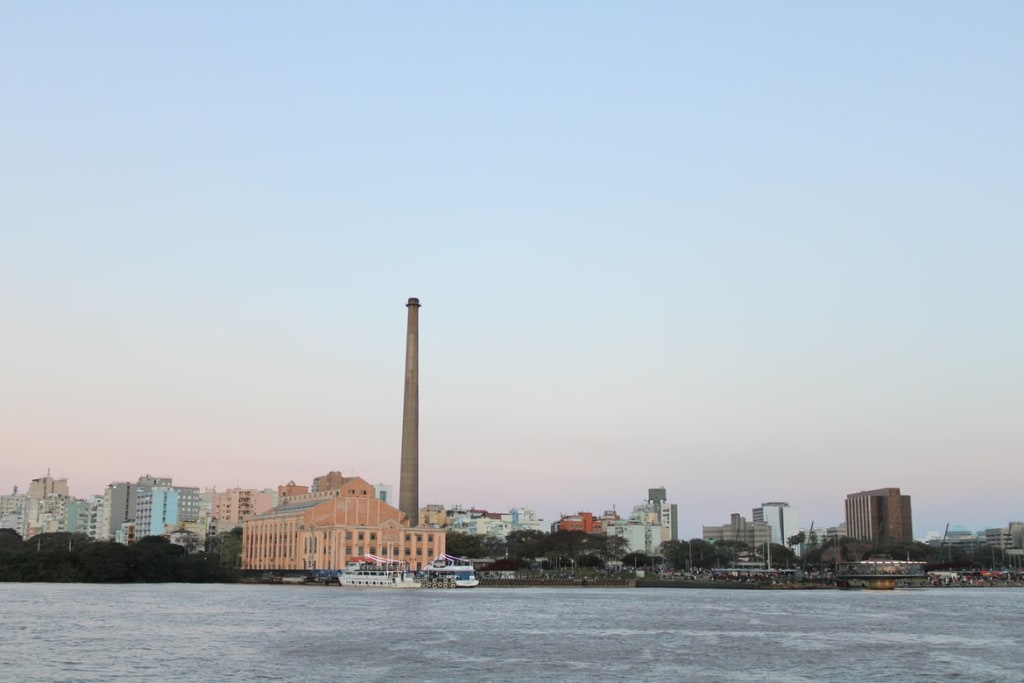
(745, 252)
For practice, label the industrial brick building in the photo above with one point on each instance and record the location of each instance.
(326, 528)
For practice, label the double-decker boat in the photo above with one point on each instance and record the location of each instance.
(377, 572)
(881, 574)
(448, 571)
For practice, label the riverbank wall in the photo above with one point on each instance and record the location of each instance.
(559, 582)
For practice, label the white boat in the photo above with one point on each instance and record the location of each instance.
(377, 572)
(448, 571)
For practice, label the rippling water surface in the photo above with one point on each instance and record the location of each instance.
(176, 632)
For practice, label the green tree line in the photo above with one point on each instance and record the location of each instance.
(523, 548)
(65, 557)
(576, 548)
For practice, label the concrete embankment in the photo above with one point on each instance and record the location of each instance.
(545, 582)
(730, 585)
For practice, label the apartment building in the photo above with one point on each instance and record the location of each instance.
(228, 509)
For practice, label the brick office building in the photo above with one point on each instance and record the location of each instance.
(879, 514)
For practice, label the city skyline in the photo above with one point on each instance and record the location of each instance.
(747, 254)
(552, 518)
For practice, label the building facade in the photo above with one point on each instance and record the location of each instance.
(581, 521)
(156, 509)
(228, 509)
(117, 498)
(147, 507)
(738, 530)
(782, 520)
(327, 528)
(433, 514)
(47, 510)
(14, 512)
(880, 514)
(495, 525)
(657, 499)
(650, 524)
(83, 516)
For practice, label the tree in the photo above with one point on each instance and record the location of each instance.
(231, 549)
(108, 561)
(638, 560)
(902, 550)
(462, 544)
(842, 549)
(796, 539)
(563, 548)
(697, 553)
(611, 547)
(782, 556)
(9, 538)
(526, 544)
(676, 553)
(158, 559)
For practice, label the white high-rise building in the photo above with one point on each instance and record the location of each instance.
(782, 520)
(14, 512)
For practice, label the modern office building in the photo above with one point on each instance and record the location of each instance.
(880, 514)
(782, 520)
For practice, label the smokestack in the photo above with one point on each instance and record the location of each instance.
(409, 485)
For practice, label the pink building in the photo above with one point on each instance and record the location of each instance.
(232, 507)
(327, 528)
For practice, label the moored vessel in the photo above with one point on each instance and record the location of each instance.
(377, 572)
(448, 571)
(881, 574)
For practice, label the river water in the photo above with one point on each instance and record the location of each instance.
(178, 632)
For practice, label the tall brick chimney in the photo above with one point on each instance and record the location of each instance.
(409, 485)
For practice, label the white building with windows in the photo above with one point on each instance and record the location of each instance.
(495, 525)
(14, 512)
(783, 522)
(650, 524)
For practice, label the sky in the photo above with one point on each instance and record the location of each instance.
(746, 251)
